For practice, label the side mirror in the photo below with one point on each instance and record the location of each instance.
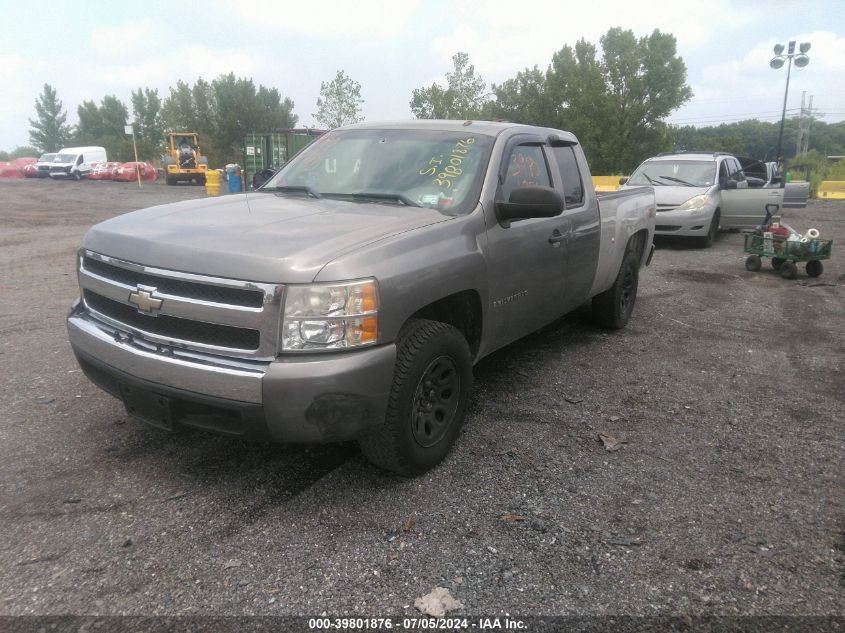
(623, 180)
(731, 184)
(529, 202)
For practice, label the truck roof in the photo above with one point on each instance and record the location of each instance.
(490, 128)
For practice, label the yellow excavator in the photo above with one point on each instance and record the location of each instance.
(183, 159)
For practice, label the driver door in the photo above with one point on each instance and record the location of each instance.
(527, 258)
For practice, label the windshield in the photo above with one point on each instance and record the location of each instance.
(64, 158)
(440, 170)
(675, 173)
(46, 158)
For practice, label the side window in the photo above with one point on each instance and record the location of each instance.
(723, 172)
(526, 167)
(736, 170)
(570, 176)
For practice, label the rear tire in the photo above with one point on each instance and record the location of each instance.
(613, 308)
(428, 399)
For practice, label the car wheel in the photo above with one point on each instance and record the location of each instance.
(76, 176)
(753, 263)
(788, 270)
(428, 399)
(613, 308)
(707, 240)
(777, 262)
(814, 268)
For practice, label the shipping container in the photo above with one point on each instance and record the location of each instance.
(271, 150)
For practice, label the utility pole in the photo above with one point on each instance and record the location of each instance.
(804, 122)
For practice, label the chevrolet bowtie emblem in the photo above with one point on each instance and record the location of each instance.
(144, 300)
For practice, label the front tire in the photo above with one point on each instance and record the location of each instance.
(613, 308)
(428, 399)
(707, 240)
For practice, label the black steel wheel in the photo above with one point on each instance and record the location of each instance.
(613, 308)
(428, 399)
(788, 270)
(777, 262)
(753, 263)
(814, 268)
(435, 401)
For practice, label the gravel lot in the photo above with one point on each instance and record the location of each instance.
(727, 498)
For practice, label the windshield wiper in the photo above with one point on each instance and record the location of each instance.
(650, 180)
(363, 195)
(293, 189)
(683, 182)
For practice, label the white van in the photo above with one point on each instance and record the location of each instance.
(75, 162)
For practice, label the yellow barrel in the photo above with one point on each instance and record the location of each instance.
(212, 182)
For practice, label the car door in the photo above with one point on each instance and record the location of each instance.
(526, 258)
(582, 225)
(741, 206)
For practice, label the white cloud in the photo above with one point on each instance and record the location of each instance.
(502, 41)
(194, 61)
(364, 18)
(718, 87)
(124, 39)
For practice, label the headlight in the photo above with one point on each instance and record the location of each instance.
(695, 203)
(330, 316)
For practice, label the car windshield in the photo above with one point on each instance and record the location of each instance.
(675, 173)
(46, 158)
(64, 158)
(435, 169)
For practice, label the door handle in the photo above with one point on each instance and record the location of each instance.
(556, 237)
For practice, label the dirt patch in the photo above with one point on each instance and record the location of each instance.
(726, 497)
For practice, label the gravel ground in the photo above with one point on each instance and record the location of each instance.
(726, 499)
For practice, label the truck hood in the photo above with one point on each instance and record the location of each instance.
(261, 237)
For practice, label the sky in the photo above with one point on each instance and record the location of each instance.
(87, 50)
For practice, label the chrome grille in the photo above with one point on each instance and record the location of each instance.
(221, 316)
(165, 285)
(174, 327)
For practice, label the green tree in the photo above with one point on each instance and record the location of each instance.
(523, 99)
(464, 97)
(146, 110)
(48, 132)
(339, 102)
(223, 111)
(104, 125)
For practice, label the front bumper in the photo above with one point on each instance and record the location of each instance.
(684, 223)
(302, 398)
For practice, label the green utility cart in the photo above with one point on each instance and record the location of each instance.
(786, 254)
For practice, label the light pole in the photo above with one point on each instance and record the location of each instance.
(800, 60)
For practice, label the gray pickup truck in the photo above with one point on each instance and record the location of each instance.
(349, 297)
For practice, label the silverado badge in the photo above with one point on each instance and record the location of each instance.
(144, 300)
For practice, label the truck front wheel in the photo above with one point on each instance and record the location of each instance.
(614, 306)
(428, 399)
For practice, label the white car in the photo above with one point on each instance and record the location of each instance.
(698, 193)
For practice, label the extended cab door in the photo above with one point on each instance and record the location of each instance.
(526, 258)
(741, 206)
(581, 222)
